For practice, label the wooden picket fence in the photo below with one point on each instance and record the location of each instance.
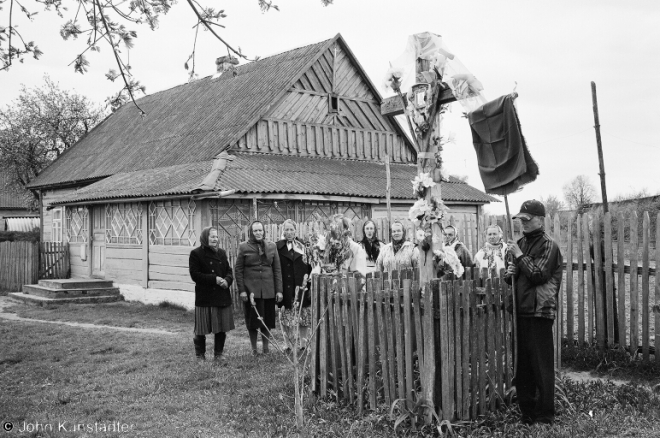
(623, 252)
(54, 260)
(19, 265)
(449, 345)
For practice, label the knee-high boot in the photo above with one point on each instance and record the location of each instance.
(200, 346)
(219, 345)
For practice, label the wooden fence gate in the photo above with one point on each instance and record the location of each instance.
(54, 260)
(449, 345)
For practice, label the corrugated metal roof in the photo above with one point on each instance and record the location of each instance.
(185, 124)
(22, 223)
(264, 173)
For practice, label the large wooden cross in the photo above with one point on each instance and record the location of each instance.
(426, 150)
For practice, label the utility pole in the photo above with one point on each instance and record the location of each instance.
(601, 163)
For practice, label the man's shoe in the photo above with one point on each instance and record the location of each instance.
(526, 419)
(544, 420)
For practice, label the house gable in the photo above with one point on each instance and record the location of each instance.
(332, 110)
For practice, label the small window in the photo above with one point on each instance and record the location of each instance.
(57, 225)
(333, 104)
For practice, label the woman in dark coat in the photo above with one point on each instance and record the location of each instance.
(212, 274)
(293, 260)
(259, 281)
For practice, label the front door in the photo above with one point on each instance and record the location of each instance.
(98, 241)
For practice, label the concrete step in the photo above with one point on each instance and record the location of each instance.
(49, 292)
(43, 301)
(76, 283)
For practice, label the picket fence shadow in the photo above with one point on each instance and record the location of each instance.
(449, 345)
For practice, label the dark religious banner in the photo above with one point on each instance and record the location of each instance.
(505, 163)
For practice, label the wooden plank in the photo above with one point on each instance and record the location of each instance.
(590, 285)
(392, 106)
(656, 309)
(458, 351)
(172, 270)
(601, 336)
(465, 350)
(645, 286)
(171, 250)
(157, 276)
(490, 343)
(348, 343)
(609, 278)
(620, 246)
(560, 302)
(444, 353)
(408, 338)
(323, 338)
(382, 344)
(481, 346)
(332, 333)
(570, 311)
(313, 369)
(398, 342)
(168, 260)
(580, 274)
(371, 343)
(497, 339)
(169, 285)
(474, 359)
(634, 290)
(451, 344)
(419, 335)
(389, 322)
(340, 327)
(362, 352)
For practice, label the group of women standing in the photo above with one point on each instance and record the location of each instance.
(271, 275)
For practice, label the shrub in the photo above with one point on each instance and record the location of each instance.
(20, 236)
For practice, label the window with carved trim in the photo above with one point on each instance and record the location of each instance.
(77, 224)
(171, 222)
(56, 235)
(123, 223)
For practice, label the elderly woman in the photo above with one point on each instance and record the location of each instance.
(492, 255)
(399, 254)
(345, 254)
(295, 268)
(212, 274)
(259, 280)
(371, 245)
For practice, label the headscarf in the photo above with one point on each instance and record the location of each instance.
(204, 238)
(371, 246)
(396, 245)
(491, 251)
(260, 244)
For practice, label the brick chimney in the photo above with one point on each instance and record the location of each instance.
(225, 64)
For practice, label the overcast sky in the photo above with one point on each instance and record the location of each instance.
(553, 50)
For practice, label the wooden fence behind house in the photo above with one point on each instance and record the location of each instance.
(449, 346)
(54, 261)
(19, 265)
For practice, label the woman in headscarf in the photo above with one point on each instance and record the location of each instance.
(399, 254)
(295, 274)
(492, 255)
(371, 245)
(346, 255)
(456, 258)
(212, 274)
(259, 280)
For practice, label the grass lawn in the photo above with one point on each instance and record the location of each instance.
(52, 374)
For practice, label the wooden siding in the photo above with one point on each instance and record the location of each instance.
(301, 123)
(49, 197)
(123, 263)
(168, 268)
(278, 136)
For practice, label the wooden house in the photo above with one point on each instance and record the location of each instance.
(297, 135)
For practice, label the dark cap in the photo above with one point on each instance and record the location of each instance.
(530, 208)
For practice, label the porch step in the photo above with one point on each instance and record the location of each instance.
(76, 283)
(57, 293)
(43, 301)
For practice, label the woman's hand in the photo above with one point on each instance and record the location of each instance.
(252, 300)
(243, 296)
(221, 281)
(279, 297)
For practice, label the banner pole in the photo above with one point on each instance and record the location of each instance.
(513, 289)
